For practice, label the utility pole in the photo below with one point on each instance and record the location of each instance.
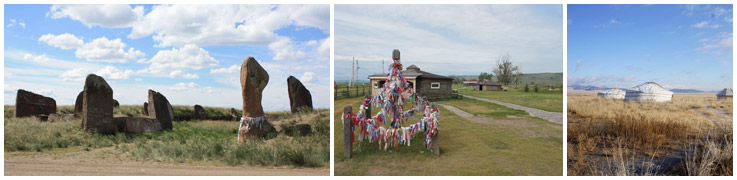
(357, 67)
(382, 66)
(353, 67)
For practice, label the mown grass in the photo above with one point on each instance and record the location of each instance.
(614, 137)
(467, 148)
(546, 100)
(192, 141)
(486, 109)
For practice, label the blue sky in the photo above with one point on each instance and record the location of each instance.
(677, 46)
(190, 53)
(448, 39)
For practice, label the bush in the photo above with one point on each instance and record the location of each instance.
(527, 88)
(536, 88)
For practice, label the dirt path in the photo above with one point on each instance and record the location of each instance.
(555, 117)
(47, 166)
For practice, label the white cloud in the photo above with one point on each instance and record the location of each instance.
(614, 21)
(324, 48)
(64, 41)
(14, 22)
(183, 86)
(180, 74)
(138, 79)
(705, 24)
(107, 15)
(77, 74)
(110, 72)
(718, 45)
(210, 90)
(308, 78)
(232, 69)
(40, 58)
(225, 25)
(189, 57)
(105, 50)
(283, 49)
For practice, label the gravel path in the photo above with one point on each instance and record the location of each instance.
(555, 117)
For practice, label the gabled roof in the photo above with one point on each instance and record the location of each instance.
(414, 72)
(489, 83)
(725, 92)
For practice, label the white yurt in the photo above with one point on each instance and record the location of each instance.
(613, 93)
(650, 92)
(725, 94)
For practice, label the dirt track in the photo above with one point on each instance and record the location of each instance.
(46, 166)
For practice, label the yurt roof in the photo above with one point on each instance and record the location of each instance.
(650, 87)
(612, 91)
(725, 92)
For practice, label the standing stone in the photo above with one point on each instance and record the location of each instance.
(234, 114)
(115, 103)
(160, 109)
(299, 96)
(145, 108)
(97, 106)
(78, 105)
(199, 112)
(32, 104)
(347, 134)
(254, 79)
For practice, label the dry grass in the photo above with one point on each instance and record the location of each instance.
(614, 137)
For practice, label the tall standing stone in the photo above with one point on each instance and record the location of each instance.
(234, 114)
(78, 105)
(145, 108)
(160, 109)
(32, 104)
(97, 106)
(254, 79)
(299, 96)
(199, 112)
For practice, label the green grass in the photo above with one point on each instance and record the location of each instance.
(192, 141)
(551, 101)
(490, 110)
(467, 149)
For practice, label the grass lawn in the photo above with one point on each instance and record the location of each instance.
(209, 142)
(551, 101)
(467, 148)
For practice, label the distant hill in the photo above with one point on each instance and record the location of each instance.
(532, 78)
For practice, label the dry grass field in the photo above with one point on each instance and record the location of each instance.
(690, 135)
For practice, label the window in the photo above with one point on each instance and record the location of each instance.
(378, 84)
(435, 85)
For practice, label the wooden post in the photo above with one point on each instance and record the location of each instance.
(347, 131)
(368, 109)
(435, 143)
(348, 91)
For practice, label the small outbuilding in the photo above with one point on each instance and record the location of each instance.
(472, 82)
(613, 93)
(423, 83)
(725, 94)
(649, 92)
(487, 85)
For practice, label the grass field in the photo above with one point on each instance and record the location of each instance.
(200, 141)
(690, 135)
(546, 100)
(467, 148)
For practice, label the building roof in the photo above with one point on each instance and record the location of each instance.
(414, 72)
(471, 81)
(725, 92)
(650, 88)
(489, 83)
(612, 91)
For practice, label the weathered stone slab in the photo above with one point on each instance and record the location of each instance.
(97, 106)
(140, 125)
(78, 105)
(32, 104)
(299, 96)
(199, 112)
(160, 109)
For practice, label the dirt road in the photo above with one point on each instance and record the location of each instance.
(47, 166)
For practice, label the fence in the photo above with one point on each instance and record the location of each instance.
(343, 91)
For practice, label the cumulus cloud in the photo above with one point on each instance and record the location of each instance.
(225, 25)
(105, 50)
(308, 78)
(37, 58)
(324, 47)
(232, 69)
(180, 74)
(76, 74)
(706, 24)
(110, 72)
(283, 49)
(189, 57)
(183, 86)
(106, 15)
(64, 41)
